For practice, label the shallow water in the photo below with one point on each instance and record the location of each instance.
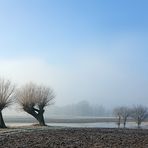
(98, 125)
(87, 125)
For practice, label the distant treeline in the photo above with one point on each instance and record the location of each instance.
(82, 108)
(137, 113)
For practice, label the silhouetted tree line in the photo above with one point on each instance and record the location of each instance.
(138, 113)
(31, 97)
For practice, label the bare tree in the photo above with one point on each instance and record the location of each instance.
(125, 113)
(139, 113)
(33, 99)
(118, 114)
(6, 96)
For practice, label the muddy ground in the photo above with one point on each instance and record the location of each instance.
(54, 137)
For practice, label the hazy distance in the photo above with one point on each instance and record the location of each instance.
(94, 51)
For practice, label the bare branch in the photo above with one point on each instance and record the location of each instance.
(44, 96)
(139, 113)
(6, 93)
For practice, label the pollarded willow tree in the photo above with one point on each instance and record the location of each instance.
(7, 91)
(33, 99)
(125, 113)
(139, 113)
(122, 113)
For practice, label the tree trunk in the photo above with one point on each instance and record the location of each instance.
(2, 123)
(124, 122)
(119, 121)
(41, 120)
(38, 115)
(138, 124)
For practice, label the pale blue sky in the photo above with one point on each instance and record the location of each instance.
(86, 49)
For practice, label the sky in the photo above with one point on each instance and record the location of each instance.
(94, 50)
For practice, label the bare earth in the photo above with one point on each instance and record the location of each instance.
(54, 137)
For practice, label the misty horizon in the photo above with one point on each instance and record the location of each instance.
(93, 51)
